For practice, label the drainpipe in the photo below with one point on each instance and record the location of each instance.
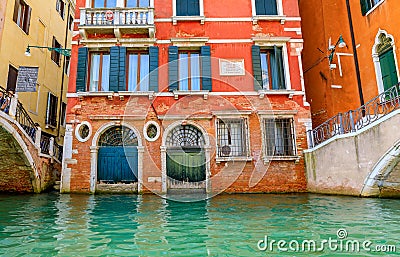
(353, 42)
(63, 69)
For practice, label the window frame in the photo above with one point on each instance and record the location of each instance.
(9, 78)
(370, 6)
(104, 5)
(267, 158)
(270, 43)
(245, 141)
(189, 69)
(63, 114)
(137, 4)
(268, 51)
(60, 8)
(99, 86)
(138, 69)
(22, 15)
(176, 18)
(56, 56)
(51, 110)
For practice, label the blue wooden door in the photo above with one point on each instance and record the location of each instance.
(117, 164)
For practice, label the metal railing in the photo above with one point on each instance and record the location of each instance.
(23, 118)
(41, 139)
(354, 120)
(116, 16)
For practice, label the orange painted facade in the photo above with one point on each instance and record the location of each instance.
(230, 31)
(334, 90)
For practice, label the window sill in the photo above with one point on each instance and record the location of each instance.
(373, 8)
(281, 18)
(175, 19)
(233, 158)
(204, 93)
(264, 92)
(268, 159)
(50, 126)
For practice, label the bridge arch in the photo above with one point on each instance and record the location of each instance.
(377, 179)
(9, 126)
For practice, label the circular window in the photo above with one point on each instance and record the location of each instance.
(151, 131)
(83, 131)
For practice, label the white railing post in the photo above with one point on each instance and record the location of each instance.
(38, 137)
(51, 146)
(13, 106)
(150, 18)
(82, 19)
(117, 17)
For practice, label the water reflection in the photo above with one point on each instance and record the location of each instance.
(129, 225)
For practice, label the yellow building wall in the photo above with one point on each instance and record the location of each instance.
(45, 22)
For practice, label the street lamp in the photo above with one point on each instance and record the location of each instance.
(63, 51)
(332, 48)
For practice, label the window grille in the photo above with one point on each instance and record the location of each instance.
(280, 140)
(232, 139)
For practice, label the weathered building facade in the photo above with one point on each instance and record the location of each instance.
(26, 24)
(340, 79)
(170, 95)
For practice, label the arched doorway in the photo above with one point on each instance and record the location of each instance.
(186, 159)
(385, 61)
(117, 156)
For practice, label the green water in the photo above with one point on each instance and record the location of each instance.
(227, 225)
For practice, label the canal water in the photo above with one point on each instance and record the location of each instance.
(226, 225)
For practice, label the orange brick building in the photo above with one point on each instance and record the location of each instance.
(174, 94)
(339, 85)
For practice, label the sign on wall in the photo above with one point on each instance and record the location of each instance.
(27, 79)
(231, 67)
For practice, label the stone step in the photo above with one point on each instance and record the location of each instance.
(57, 182)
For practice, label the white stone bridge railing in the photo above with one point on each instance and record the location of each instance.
(45, 142)
(355, 120)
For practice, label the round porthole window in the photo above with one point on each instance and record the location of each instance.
(151, 131)
(83, 131)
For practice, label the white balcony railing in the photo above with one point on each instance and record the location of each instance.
(117, 17)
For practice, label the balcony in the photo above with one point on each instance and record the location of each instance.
(116, 21)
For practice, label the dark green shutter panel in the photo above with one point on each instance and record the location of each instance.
(193, 8)
(153, 69)
(257, 72)
(206, 68)
(122, 69)
(388, 69)
(260, 7)
(181, 7)
(364, 7)
(173, 68)
(114, 68)
(270, 7)
(279, 64)
(82, 69)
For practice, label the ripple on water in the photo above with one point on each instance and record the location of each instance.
(226, 225)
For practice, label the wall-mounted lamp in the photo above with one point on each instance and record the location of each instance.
(332, 48)
(63, 51)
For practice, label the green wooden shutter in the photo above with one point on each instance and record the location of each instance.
(193, 8)
(270, 7)
(153, 69)
(82, 69)
(205, 53)
(122, 69)
(388, 69)
(257, 72)
(114, 68)
(364, 7)
(173, 68)
(279, 65)
(260, 7)
(181, 7)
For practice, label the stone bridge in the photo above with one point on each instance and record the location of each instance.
(361, 163)
(29, 160)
